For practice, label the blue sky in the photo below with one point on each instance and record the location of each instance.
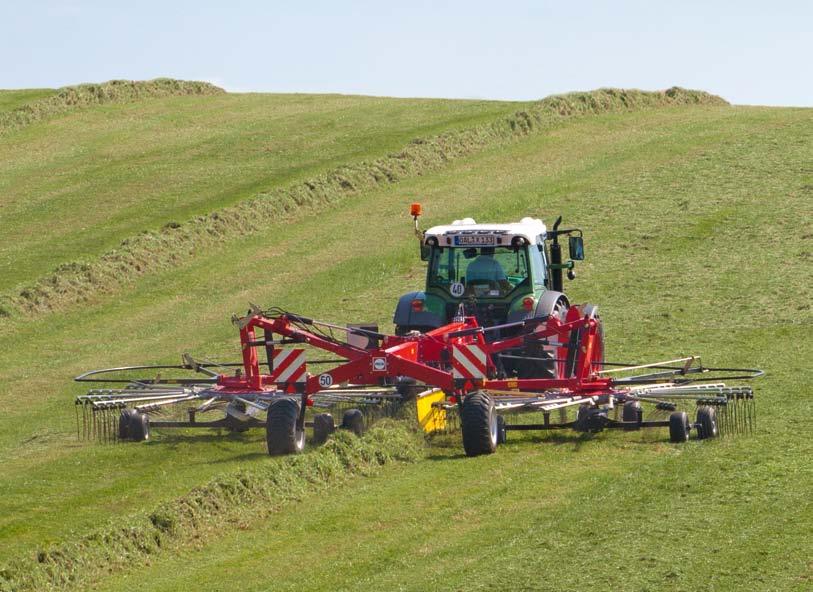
(748, 52)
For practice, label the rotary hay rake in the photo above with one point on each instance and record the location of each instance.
(455, 369)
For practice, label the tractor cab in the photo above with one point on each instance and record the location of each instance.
(499, 273)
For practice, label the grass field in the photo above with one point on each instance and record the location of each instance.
(97, 176)
(698, 234)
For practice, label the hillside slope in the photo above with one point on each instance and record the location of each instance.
(669, 200)
(95, 176)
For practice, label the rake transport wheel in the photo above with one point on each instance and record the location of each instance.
(353, 420)
(678, 427)
(479, 424)
(323, 426)
(124, 423)
(282, 432)
(138, 426)
(706, 422)
(233, 424)
(629, 413)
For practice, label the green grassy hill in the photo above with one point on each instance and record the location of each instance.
(698, 231)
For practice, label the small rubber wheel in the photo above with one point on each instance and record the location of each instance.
(408, 388)
(282, 433)
(323, 426)
(124, 423)
(233, 424)
(353, 420)
(629, 413)
(479, 424)
(138, 427)
(706, 422)
(583, 414)
(502, 433)
(678, 427)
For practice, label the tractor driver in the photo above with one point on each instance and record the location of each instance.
(487, 269)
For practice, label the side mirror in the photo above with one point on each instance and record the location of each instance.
(426, 251)
(576, 246)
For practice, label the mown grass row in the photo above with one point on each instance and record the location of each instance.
(234, 498)
(75, 282)
(84, 95)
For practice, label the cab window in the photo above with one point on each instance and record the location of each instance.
(482, 272)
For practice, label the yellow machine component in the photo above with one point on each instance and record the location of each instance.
(431, 417)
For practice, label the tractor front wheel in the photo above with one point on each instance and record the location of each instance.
(282, 429)
(479, 424)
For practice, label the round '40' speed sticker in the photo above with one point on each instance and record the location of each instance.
(457, 289)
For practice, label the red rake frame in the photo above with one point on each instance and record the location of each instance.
(372, 369)
(425, 358)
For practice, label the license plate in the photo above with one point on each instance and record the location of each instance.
(475, 241)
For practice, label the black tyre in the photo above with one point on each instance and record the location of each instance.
(323, 426)
(590, 419)
(233, 424)
(629, 413)
(138, 427)
(282, 432)
(706, 422)
(678, 427)
(408, 388)
(124, 423)
(582, 423)
(479, 424)
(538, 363)
(353, 420)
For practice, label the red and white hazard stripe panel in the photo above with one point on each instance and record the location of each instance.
(468, 361)
(289, 365)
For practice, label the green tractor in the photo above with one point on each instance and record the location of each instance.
(502, 274)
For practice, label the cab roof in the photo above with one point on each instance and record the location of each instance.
(531, 229)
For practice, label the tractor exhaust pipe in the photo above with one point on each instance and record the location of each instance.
(556, 257)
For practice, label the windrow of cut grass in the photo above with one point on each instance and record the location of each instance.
(96, 176)
(234, 498)
(84, 95)
(12, 99)
(77, 281)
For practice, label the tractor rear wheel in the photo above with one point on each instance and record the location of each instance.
(479, 424)
(282, 432)
(707, 422)
(353, 420)
(138, 427)
(678, 427)
(323, 426)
